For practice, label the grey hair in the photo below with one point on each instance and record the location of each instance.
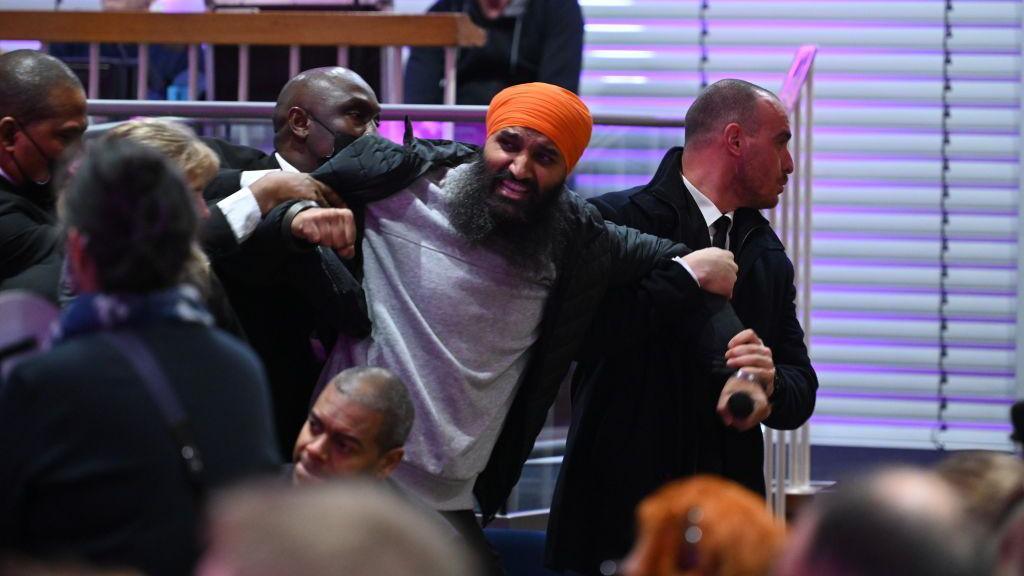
(381, 390)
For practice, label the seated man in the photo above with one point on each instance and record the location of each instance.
(42, 112)
(357, 427)
(483, 274)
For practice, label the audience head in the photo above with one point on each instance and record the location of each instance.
(42, 112)
(357, 426)
(739, 132)
(990, 484)
(319, 112)
(900, 521)
(704, 525)
(179, 144)
(349, 528)
(130, 220)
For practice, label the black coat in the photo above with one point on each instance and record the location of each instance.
(544, 44)
(30, 242)
(90, 469)
(640, 415)
(285, 294)
(598, 257)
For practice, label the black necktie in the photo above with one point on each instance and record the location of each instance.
(721, 231)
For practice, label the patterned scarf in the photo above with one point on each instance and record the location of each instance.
(96, 312)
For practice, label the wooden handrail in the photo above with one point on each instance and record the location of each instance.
(261, 29)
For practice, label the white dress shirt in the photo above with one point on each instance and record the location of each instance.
(708, 210)
(240, 209)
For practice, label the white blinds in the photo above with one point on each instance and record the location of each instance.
(878, 166)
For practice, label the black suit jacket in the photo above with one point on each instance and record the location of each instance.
(90, 469)
(30, 242)
(292, 299)
(640, 416)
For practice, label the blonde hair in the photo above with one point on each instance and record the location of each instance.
(197, 161)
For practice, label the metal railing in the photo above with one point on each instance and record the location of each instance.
(787, 453)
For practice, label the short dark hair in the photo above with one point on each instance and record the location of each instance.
(27, 79)
(722, 103)
(381, 390)
(134, 209)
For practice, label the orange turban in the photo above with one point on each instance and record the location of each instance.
(553, 111)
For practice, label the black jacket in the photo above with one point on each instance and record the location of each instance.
(30, 242)
(90, 469)
(636, 423)
(286, 294)
(597, 257)
(544, 44)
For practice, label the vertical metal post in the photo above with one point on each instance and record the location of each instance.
(779, 490)
(343, 56)
(451, 65)
(769, 461)
(243, 72)
(451, 57)
(94, 70)
(142, 73)
(193, 72)
(391, 73)
(209, 73)
(293, 60)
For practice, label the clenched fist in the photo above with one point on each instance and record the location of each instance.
(715, 270)
(331, 227)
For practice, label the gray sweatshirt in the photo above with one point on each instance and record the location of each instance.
(455, 322)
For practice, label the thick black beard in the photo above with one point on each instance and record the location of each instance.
(529, 239)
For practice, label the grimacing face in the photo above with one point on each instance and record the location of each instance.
(766, 163)
(529, 168)
(339, 439)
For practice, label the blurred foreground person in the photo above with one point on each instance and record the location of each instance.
(349, 529)
(704, 526)
(357, 427)
(990, 484)
(901, 521)
(112, 439)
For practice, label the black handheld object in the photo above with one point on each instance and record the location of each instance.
(740, 405)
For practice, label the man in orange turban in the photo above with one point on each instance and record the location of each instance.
(482, 274)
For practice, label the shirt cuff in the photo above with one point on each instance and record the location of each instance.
(242, 213)
(683, 263)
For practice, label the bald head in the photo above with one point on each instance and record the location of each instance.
(28, 81)
(319, 112)
(722, 103)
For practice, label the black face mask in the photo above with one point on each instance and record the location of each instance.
(341, 141)
(41, 187)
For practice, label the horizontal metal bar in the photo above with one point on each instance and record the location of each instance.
(258, 110)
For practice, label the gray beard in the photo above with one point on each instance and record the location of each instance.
(530, 240)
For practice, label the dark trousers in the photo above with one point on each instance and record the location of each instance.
(464, 521)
